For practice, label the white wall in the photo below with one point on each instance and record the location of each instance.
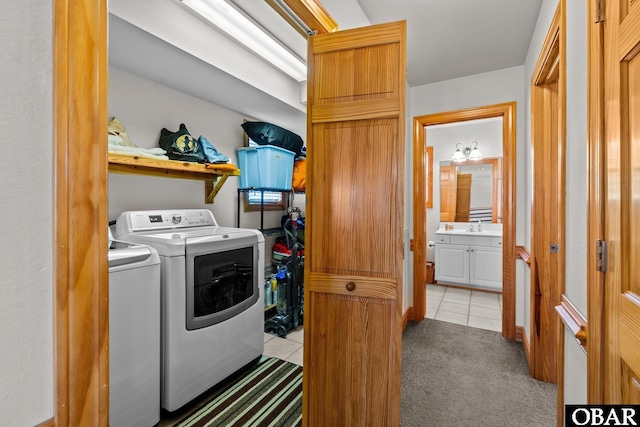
(576, 176)
(507, 85)
(347, 13)
(26, 274)
(575, 360)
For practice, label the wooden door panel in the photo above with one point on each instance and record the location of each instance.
(349, 64)
(633, 84)
(358, 173)
(622, 225)
(355, 212)
(345, 346)
(629, 292)
(629, 333)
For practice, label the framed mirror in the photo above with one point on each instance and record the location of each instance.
(471, 191)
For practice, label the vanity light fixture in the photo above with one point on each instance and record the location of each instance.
(237, 26)
(463, 153)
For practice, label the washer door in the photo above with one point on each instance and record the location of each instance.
(222, 279)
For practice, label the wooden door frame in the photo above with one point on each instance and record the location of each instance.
(596, 200)
(550, 69)
(507, 112)
(81, 309)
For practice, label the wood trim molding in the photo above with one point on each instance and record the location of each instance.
(507, 112)
(523, 254)
(81, 305)
(408, 315)
(429, 177)
(595, 199)
(573, 320)
(48, 423)
(519, 333)
(525, 342)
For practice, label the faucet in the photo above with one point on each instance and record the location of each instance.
(479, 225)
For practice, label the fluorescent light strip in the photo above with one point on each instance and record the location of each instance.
(233, 23)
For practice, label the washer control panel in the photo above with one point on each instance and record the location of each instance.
(159, 220)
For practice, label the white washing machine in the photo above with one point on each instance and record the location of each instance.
(212, 310)
(134, 335)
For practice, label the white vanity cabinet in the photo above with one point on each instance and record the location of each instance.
(469, 259)
(452, 263)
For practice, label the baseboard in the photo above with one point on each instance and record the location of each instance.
(406, 317)
(519, 333)
(522, 336)
(48, 423)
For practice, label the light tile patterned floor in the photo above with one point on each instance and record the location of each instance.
(466, 307)
(288, 348)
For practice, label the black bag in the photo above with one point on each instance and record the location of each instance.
(268, 134)
(180, 145)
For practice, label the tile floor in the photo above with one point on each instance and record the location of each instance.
(477, 309)
(288, 348)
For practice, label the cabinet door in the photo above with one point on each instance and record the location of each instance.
(452, 263)
(486, 267)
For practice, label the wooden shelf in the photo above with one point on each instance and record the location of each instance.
(214, 175)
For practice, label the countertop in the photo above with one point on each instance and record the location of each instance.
(464, 232)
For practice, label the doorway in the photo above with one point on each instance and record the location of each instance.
(548, 113)
(505, 111)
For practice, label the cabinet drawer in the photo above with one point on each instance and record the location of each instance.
(471, 240)
(496, 241)
(442, 239)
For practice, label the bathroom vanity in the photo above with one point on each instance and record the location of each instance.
(470, 258)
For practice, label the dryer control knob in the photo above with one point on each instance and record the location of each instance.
(176, 219)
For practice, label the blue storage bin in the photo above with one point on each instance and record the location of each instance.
(265, 166)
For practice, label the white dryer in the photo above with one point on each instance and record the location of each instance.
(212, 311)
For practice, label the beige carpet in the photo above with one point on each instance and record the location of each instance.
(455, 375)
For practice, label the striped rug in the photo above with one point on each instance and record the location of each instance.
(270, 394)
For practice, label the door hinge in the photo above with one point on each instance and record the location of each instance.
(600, 4)
(601, 255)
(411, 245)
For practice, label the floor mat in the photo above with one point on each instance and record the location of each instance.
(270, 394)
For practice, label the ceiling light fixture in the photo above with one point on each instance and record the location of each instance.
(463, 153)
(239, 27)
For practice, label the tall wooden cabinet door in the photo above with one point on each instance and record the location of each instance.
(622, 212)
(355, 210)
